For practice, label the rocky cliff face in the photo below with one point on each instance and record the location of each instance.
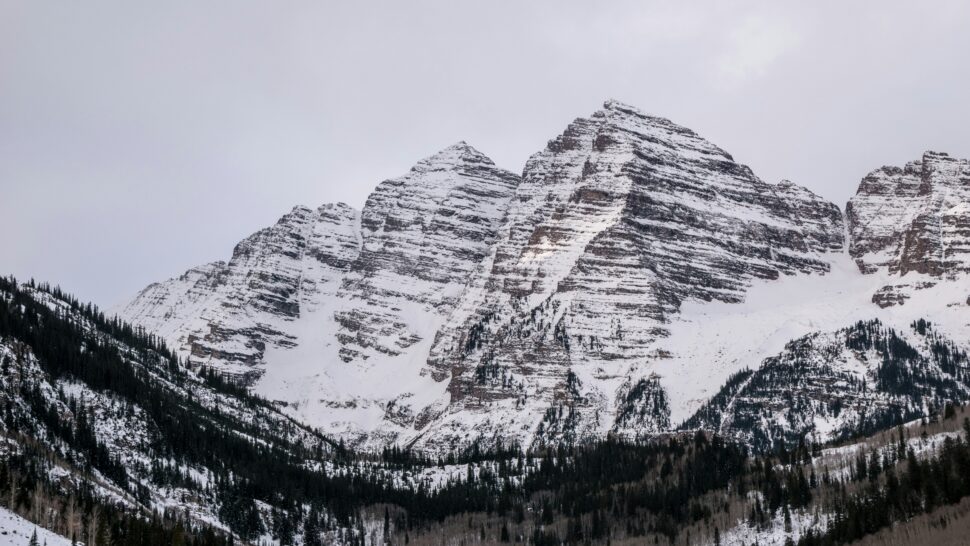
(617, 222)
(912, 223)
(225, 315)
(422, 235)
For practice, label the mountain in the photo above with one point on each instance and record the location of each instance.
(613, 288)
(913, 222)
(342, 303)
(636, 340)
(616, 223)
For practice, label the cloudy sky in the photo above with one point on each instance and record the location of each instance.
(140, 138)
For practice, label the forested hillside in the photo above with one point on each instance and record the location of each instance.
(108, 438)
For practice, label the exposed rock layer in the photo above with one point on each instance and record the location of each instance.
(912, 221)
(617, 222)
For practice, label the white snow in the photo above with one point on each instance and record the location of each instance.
(743, 534)
(16, 531)
(711, 341)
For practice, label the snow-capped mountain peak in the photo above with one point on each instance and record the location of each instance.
(465, 302)
(913, 223)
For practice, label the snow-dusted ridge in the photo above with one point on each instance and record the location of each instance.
(95, 435)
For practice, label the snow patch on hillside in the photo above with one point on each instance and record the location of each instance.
(711, 341)
(16, 531)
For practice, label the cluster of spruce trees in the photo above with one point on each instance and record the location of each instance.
(895, 486)
(249, 463)
(78, 512)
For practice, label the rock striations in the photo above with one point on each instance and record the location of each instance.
(225, 315)
(914, 223)
(422, 235)
(467, 303)
(617, 222)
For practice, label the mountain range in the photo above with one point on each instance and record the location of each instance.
(635, 340)
(622, 285)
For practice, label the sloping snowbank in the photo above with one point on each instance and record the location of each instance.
(16, 531)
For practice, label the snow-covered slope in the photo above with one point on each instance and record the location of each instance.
(16, 531)
(709, 342)
(91, 405)
(614, 287)
(835, 385)
(226, 315)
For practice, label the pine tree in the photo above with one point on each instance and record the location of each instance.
(311, 533)
(387, 525)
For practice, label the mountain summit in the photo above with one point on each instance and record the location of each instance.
(914, 224)
(621, 219)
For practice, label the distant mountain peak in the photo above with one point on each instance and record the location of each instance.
(453, 157)
(910, 220)
(622, 108)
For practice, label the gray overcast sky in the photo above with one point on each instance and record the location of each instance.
(140, 138)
